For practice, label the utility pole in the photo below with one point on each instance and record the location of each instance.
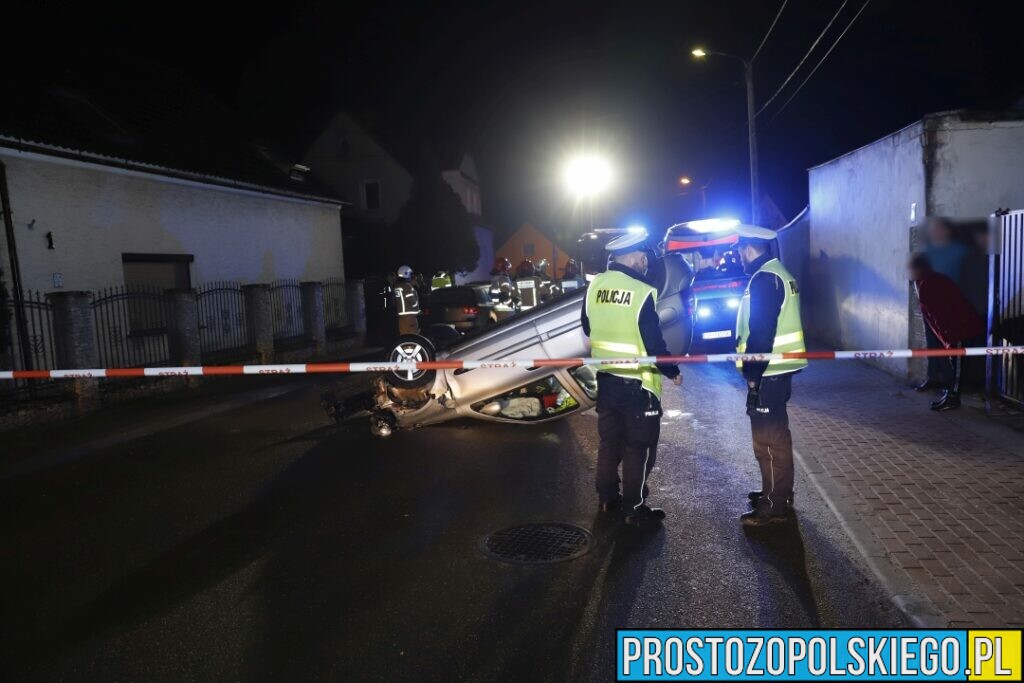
(748, 67)
(755, 202)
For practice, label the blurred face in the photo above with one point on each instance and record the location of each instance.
(939, 232)
(748, 254)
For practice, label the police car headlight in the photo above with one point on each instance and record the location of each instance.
(704, 312)
(733, 303)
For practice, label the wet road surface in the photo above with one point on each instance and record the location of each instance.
(268, 543)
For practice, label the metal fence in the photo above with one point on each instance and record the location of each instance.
(131, 327)
(286, 309)
(335, 315)
(1006, 305)
(220, 307)
(38, 352)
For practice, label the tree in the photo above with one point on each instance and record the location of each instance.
(433, 231)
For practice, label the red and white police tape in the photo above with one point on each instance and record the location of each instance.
(405, 366)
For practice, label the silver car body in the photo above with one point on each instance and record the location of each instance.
(539, 394)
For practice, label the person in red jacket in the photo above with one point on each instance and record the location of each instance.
(949, 315)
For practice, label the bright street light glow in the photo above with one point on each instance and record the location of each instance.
(636, 228)
(685, 180)
(698, 52)
(588, 175)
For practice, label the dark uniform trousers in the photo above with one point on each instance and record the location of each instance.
(629, 424)
(773, 443)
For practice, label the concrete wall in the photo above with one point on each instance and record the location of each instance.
(96, 213)
(976, 167)
(345, 156)
(860, 210)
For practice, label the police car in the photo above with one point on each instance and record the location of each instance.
(709, 248)
(409, 399)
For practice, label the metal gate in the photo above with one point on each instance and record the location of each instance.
(1005, 373)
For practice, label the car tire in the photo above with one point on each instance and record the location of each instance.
(411, 347)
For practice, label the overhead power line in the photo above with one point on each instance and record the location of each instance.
(809, 51)
(820, 62)
(770, 28)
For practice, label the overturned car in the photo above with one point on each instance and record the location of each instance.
(413, 398)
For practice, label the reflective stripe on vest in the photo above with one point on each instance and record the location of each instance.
(789, 333)
(614, 301)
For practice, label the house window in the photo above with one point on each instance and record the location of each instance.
(528, 250)
(371, 195)
(146, 277)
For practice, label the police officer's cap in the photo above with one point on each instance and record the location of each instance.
(754, 234)
(634, 240)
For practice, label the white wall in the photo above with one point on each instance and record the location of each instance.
(978, 168)
(860, 203)
(97, 213)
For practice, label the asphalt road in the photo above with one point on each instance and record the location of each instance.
(266, 543)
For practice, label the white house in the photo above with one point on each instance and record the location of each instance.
(97, 199)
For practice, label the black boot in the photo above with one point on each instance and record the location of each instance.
(644, 515)
(613, 505)
(763, 515)
(949, 401)
(926, 385)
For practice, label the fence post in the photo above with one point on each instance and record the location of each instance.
(355, 306)
(183, 327)
(313, 314)
(259, 318)
(74, 340)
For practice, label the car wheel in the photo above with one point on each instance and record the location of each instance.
(411, 348)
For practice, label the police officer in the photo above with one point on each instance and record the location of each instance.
(620, 318)
(407, 302)
(527, 285)
(768, 321)
(571, 279)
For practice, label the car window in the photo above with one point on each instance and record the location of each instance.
(586, 377)
(538, 400)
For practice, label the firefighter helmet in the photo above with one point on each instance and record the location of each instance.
(525, 269)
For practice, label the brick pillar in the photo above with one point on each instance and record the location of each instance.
(258, 317)
(313, 314)
(355, 306)
(183, 327)
(74, 339)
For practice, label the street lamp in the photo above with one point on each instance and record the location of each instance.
(687, 184)
(586, 176)
(748, 68)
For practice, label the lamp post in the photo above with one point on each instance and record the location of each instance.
(748, 69)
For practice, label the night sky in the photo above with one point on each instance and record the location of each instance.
(523, 84)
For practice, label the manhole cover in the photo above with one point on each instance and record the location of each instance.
(538, 543)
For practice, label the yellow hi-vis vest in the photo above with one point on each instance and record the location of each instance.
(789, 334)
(440, 282)
(614, 301)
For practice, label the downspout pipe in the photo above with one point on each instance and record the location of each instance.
(12, 253)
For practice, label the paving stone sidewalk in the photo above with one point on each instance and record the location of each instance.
(936, 500)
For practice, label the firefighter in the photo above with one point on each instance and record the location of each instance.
(768, 321)
(440, 280)
(407, 302)
(571, 279)
(620, 318)
(527, 285)
(503, 289)
(549, 289)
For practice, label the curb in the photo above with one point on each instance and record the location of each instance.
(921, 612)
